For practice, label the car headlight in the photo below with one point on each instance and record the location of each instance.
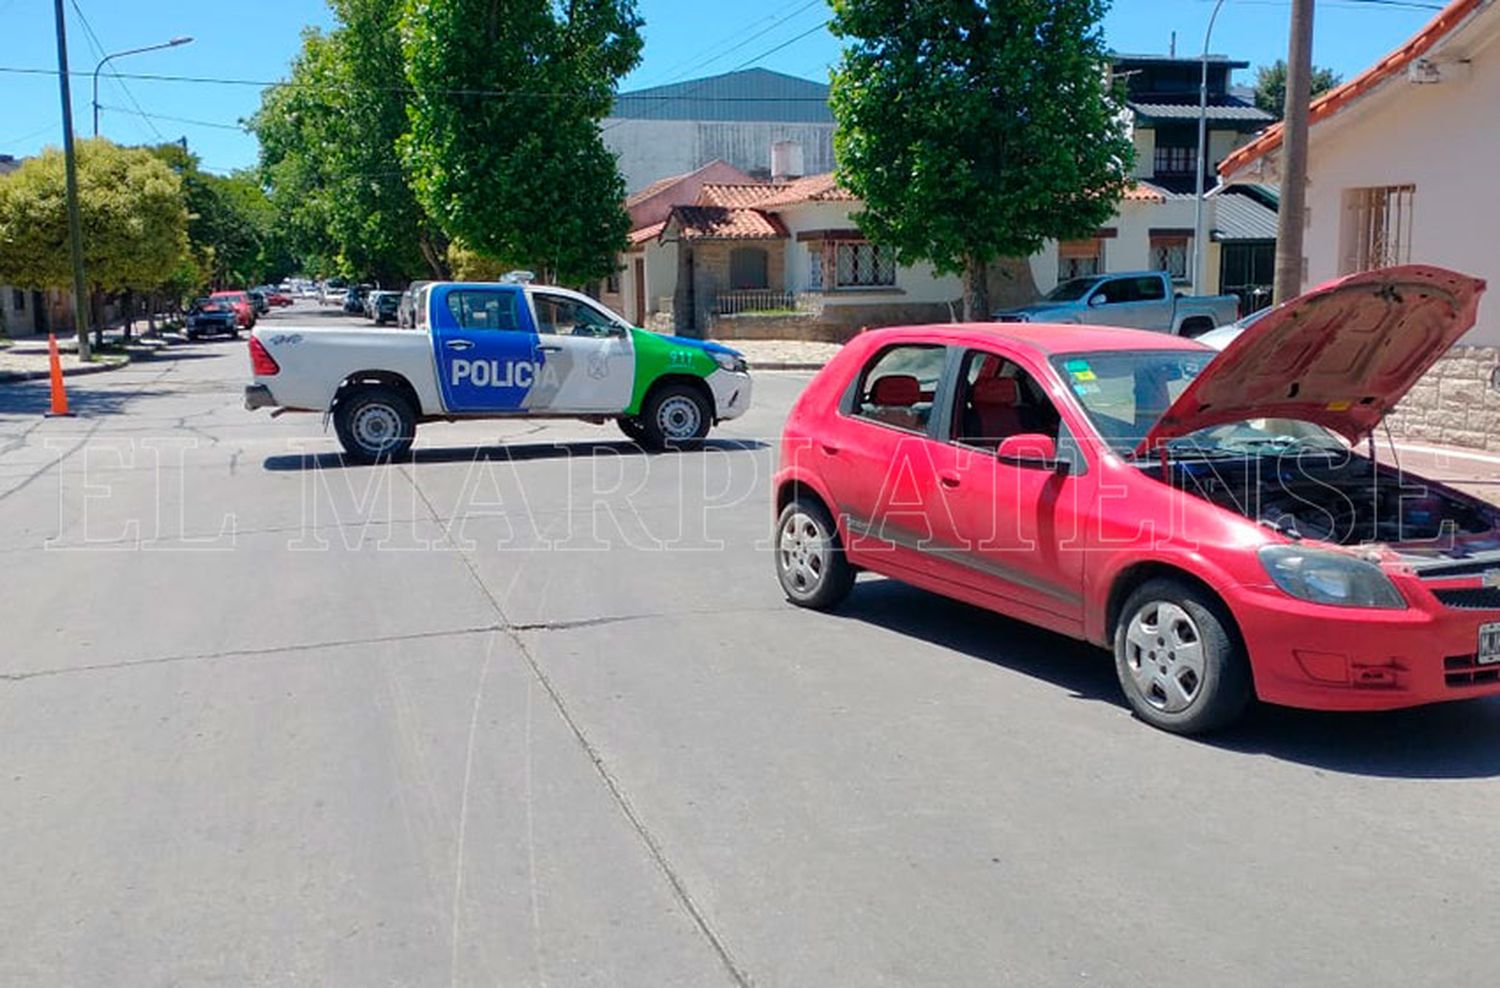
(731, 362)
(1329, 577)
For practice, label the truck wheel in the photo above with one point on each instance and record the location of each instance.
(1179, 661)
(675, 415)
(374, 423)
(1194, 328)
(810, 561)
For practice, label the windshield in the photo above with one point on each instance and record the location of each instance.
(1124, 393)
(1071, 291)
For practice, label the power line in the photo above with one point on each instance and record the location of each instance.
(102, 55)
(701, 62)
(184, 120)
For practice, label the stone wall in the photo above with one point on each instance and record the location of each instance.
(1456, 403)
(827, 324)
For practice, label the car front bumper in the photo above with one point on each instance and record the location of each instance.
(732, 393)
(1336, 658)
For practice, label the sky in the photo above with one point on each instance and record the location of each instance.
(252, 41)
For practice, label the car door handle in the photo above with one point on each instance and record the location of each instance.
(550, 348)
(948, 479)
(830, 449)
(460, 345)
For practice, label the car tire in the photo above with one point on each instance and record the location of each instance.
(810, 561)
(374, 424)
(1180, 660)
(675, 415)
(192, 337)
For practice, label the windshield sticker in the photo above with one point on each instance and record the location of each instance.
(1086, 389)
(1081, 371)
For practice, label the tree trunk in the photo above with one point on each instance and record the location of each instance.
(436, 258)
(976, 289)
(96, 306)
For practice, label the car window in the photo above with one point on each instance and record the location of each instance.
(1150, 289)
(1117, 290)
(480, 309)
(1071, 290)
(559, 315)
(995, 399)
(897, 387)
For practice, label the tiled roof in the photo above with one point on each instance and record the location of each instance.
(646, 233)
(813, 188)
(1449, 19)
(660, 185)
(720, 223)
(1221, 110)
(1238, 216)
(740, 196)
(1144, 192)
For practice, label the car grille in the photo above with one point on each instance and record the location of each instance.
(1461, 671)
(1470, 598)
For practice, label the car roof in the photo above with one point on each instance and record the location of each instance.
(1050, 339)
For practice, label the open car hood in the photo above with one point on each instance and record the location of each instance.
(1341, 355)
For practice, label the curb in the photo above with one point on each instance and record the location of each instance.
(783, 365)
(15, 377)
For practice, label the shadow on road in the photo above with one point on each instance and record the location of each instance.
(34, 398)
(517, 452)
(1459, 740)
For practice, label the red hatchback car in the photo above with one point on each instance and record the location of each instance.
(1209, 517)
(244, 309)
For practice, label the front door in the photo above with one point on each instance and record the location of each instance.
(488, 355)
(640, 291)
(1014, 528)
(1138, 301)
(590, 354)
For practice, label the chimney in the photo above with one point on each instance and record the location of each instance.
(786, 161)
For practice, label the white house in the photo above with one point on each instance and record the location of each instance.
(1401, 169)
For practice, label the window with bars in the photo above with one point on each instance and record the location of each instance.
(1379, 225)
(1079, 258)
(1170, 254)
(1174, 159)
(815, 267)
(864, 265)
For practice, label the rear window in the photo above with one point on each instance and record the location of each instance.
(897, 387)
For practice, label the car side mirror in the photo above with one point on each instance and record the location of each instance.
(1096, 300)
(1031, 451)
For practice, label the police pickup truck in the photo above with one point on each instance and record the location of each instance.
(497, 350)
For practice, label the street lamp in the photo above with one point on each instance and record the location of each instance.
(132, 51)
(1202, 153)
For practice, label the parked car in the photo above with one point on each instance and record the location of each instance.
(354, 299)
(382, 306)
(243, 307)
(557, 353)
(279, 299)
(1137, 491)
(1136, 299)
(209, 316)
(406, 312)
(259, 301)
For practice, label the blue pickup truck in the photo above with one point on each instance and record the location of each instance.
(1134, 299)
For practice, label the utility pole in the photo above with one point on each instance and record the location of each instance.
(75, 226)
(1292, 216)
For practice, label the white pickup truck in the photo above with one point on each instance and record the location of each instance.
(497, 350)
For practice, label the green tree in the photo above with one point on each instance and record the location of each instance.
(977, 129)
(342, 198)
(133, 218)
(230, 223)
(1270, 85)
(504, 143)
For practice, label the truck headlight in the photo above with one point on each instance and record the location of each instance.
(1324, 577)
(731, 362)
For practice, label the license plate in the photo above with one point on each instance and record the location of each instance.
(1489, 644)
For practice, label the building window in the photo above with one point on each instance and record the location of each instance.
(864, 265)
(612, 283)
(1380, 222)
(749, 268)
(1079, 258)
(1170, 254)
(815, 267)
(1175, 159)
(18, 300)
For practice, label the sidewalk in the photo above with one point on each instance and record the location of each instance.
(768, 355)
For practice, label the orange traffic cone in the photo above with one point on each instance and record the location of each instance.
(59, 393)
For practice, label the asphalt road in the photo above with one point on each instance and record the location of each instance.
(531, 710)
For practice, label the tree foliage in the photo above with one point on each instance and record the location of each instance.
(977, 129)
(504, 145)
(231, 225)
(342, 198)
(1270, 85)
(134, 222)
